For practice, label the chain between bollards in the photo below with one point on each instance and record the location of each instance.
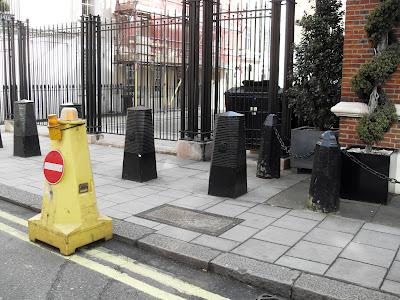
(287, 149)
(351, 157)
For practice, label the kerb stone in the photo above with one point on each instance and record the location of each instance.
(129, 232)
(312, 287)
(275, 279)
(181, 251)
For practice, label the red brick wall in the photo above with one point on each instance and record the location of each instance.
(348, 135)
(357, 51)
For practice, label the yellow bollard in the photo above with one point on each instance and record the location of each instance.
(69, 217)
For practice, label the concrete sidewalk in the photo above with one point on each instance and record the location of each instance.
(264, 238)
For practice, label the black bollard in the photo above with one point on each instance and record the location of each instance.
(26, 140)
(325, 179)
(139, 154)
(228, 174)
(269, 159)
(73, 105)
(1, 141)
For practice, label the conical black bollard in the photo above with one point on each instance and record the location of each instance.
(26, 140)
(269, 159)
(1, 141)
(228, 174)
(139, 154)
(325, 180)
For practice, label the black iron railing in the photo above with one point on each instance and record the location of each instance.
(179, 65)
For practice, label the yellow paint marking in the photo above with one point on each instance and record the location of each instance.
(146, 271)
(104, 270)
(136, 267)
(124, 278)
(13, 218)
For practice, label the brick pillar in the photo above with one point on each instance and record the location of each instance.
(357, 51)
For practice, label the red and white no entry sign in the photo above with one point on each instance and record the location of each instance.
(53, 167)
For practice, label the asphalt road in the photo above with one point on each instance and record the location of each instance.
(111, 270)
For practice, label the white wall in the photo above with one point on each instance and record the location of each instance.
(44, 12)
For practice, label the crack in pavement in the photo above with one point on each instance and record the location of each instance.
(108, 284)
(50, 294)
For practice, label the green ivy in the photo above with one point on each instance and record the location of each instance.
(382, 20)
(372, 127)
(376, 72)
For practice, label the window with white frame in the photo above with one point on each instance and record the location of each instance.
(87, 7)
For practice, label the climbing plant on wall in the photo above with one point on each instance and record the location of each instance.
(368, 82)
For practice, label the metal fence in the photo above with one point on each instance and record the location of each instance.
(137, 59)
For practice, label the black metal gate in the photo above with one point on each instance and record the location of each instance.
(16, 58)
(91, 93)
(178, 65)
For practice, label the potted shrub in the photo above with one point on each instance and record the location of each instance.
(357, 182)
(316, 78)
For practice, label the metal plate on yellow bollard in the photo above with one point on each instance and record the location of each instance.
(53, 167)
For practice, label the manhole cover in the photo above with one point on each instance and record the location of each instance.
(190, 219)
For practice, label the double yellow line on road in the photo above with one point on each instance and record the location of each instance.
(122, 262)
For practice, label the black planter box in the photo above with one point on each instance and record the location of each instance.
(359, 184)
(303, 141)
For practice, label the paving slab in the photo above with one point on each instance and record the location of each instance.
(388, 215)
(307, 214)
(133, 207)
(302, 264)
(215, 242)
(293, 197)
(178, 233)
(239, 233)
(269, 211)
(314, 287)
(276, 279)
(279, 235)
(255, 220)
(261, 250)
(155, 199)
(329, 237)
(115, 214)
(295, 223)
(382, 228)
(315, 252)
(107, 189)
(227, 209)
(120, 197)
(238, 202)
(341, 224)
(394, 272)
(142, 222)
(191, 202)
(391, 286)
(260, 194)
(378, 239)
(357, 272)
(369, 254)
(358, 210)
